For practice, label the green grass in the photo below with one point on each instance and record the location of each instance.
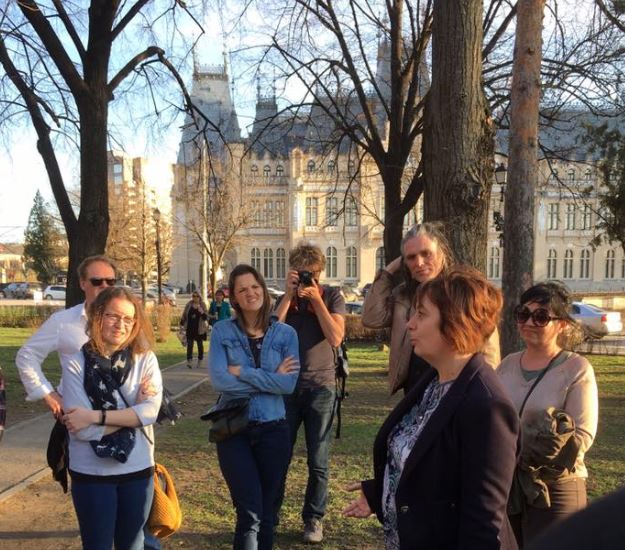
(11, 339)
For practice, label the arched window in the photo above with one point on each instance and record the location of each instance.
(380, 262)
(254, 170)
(552, 264)
(279, 170)
(571, 174)
(331, 262)
(494, 263)
(567, 271)
(280, 263)
(588, 174)
(266, 171)
(311, 166)
(331, 167)
(609, 264)
(332, 211)
(256, 259)
(268, 263)
(584, 264)
(351, 263)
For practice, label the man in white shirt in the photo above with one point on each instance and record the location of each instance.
(63, 332)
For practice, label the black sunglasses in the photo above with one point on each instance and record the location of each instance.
(97, 281)
(540, 316)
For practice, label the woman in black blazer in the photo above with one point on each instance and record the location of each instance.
(444, 458)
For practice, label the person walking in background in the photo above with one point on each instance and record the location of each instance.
(63, 332)
(254, 355)
(219, 308)
(112, 391)
(444, 458)
(425, 253)
(194, 320)
(555, 394)
(317, 314)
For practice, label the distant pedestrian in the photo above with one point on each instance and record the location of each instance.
(194, 321)
(219, 308)
(112, 390)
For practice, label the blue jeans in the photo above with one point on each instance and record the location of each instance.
(315, 409)
(113, 512)
(254, 464)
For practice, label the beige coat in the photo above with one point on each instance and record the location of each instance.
(387, 306)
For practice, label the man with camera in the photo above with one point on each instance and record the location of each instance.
(317, 314)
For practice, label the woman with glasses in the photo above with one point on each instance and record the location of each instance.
(111, 396)
(254, 356)
(194, 321)
(555, 389)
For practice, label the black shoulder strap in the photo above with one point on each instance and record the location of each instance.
(538, 379)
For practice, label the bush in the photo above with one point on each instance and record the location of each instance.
(356, 332)
(27, 316)
(163, 316)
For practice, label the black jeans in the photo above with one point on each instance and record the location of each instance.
(315, 409)
(200, 347)
(254, 464)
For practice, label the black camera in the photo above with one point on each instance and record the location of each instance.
(305, 278)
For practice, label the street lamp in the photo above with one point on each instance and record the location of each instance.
(157, 221)
(501, 175)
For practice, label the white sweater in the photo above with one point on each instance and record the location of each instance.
(82, 456)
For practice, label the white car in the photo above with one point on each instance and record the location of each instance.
(595, 321)
(54, 292)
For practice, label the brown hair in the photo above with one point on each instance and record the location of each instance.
(469, 306)
(262, 319)
(307, 254)
(82, 268)
(141, 337)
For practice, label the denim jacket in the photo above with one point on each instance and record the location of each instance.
(229, 346)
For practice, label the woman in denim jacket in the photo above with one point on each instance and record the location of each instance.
(257, 357)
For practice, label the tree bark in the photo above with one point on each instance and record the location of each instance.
(518, 255)
(458, 144)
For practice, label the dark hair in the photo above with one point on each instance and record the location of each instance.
(262, 319)
(82, 268)
(468, 304)
(141, 337)
(552, 294)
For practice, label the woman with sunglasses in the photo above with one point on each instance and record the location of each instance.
(112, 392)
(545, 378)
(193, 320)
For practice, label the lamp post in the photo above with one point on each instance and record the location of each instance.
(157, 221)
(501, 176)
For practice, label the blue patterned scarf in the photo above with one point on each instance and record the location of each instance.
(103, 376)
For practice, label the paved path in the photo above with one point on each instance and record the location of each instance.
(23, 448)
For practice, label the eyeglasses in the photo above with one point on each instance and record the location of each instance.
(97, 281)
(540, 316)
(113, 319)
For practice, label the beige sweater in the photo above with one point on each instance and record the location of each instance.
(570, 386)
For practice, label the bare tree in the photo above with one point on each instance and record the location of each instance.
(518, 258)
(215, 209)
(57, 57)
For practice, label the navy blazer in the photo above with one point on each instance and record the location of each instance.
(455, 483)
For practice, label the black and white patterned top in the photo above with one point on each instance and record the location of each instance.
(401, 441)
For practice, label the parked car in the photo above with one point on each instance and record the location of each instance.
(10, 290)
(365, 289)
(2, 287)
(29, 291)
(596, 322)
(167, 293)
(275, 293)
(354, 308)
(54, 292)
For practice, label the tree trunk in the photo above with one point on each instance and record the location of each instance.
(458, 143)
(518, 256)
